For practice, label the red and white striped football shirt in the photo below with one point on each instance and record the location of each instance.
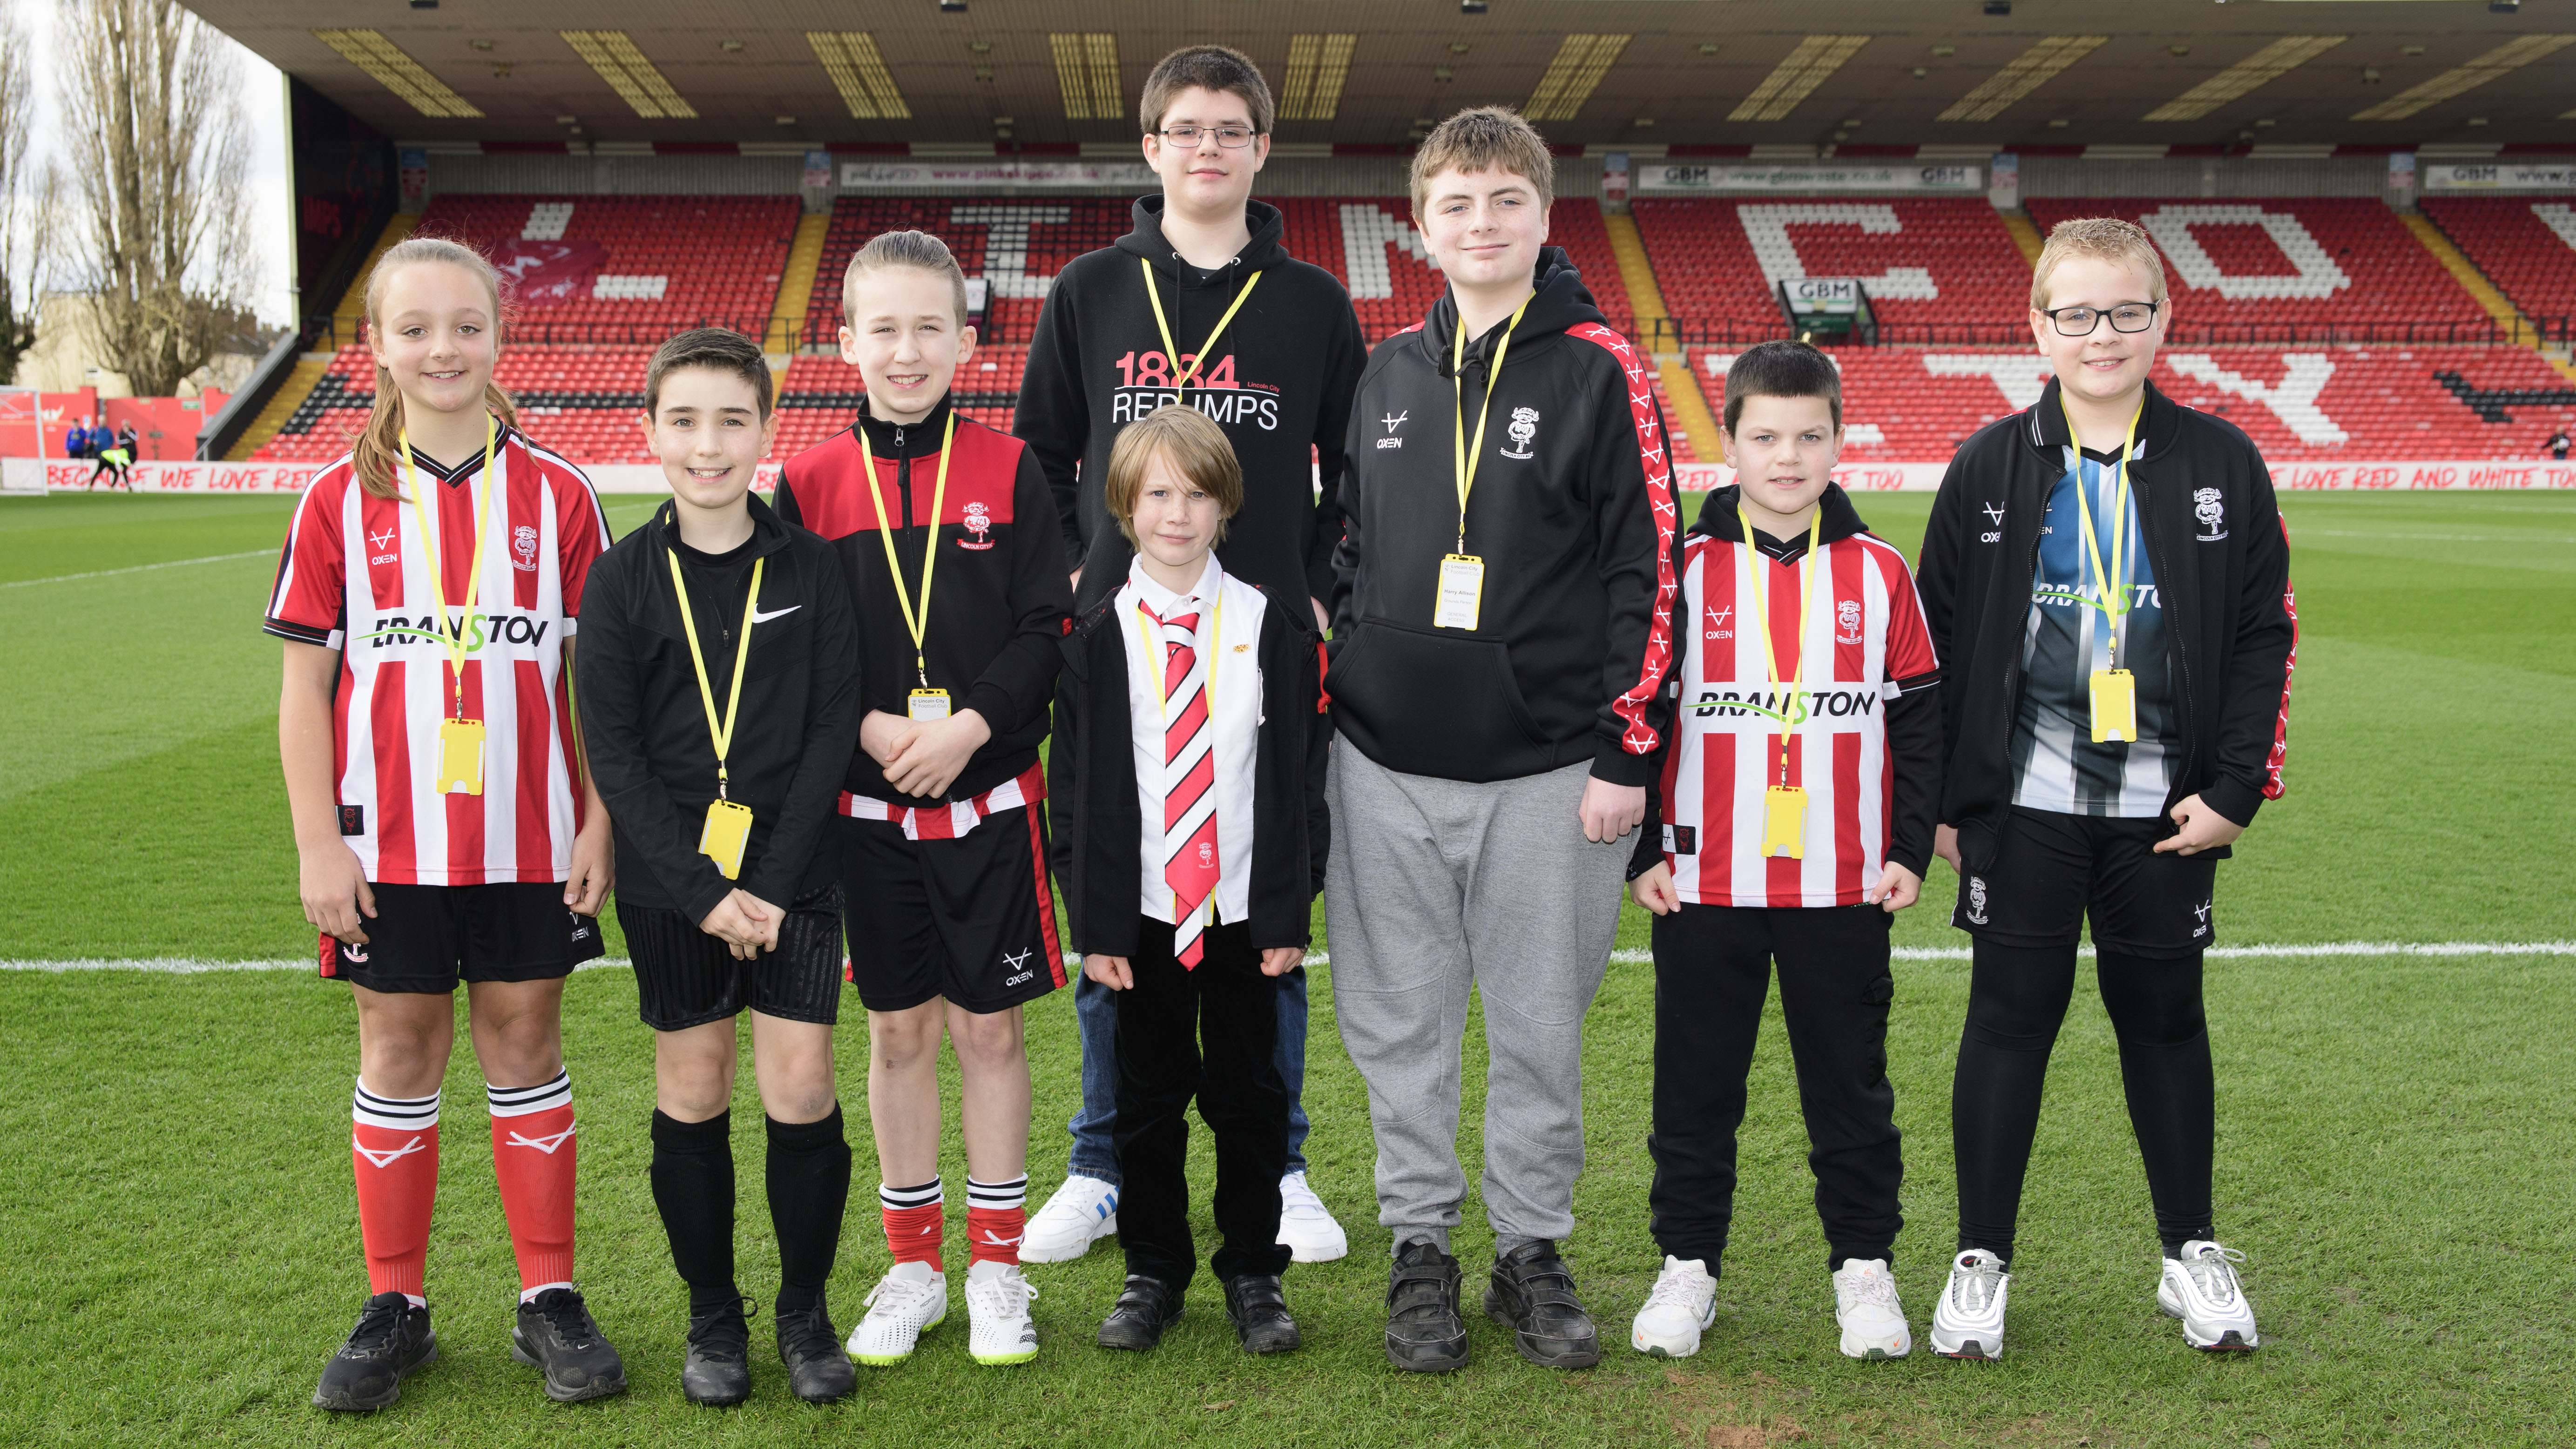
(353, 577)
(1866, 636)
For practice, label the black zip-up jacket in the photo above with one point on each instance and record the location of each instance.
(1913, 724)
(646, 728)
(2214, 538)
(1278, 380)
(998, 600)
(1097, 825)
(1573, 513)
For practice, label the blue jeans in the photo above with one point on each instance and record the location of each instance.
(1095, 1011)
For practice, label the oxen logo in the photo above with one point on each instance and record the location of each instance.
(2211, 509)
(979, 527)
(523, 548)
(1847, 622)
(1524, 430)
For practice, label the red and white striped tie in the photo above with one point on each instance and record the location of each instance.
(1189, 786)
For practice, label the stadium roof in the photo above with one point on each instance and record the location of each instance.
(2367, 74)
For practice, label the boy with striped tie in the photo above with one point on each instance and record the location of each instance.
(1196, 832)
(1792, 819)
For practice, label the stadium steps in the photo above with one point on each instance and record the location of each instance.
(1646, 300)
(298, 386)
(2025, 235)
(352, 307)
(2519, 329)
(796, 286)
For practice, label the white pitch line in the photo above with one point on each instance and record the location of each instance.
(2298, 532)
(140, 568)
(191, 966)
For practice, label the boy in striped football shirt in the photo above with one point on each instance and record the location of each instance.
(1793, 818)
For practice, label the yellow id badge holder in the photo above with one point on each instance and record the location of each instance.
(2115, 706)
(1784, 821)
(926, 704)
(1462, 592)
(460, 757)
(728, 831)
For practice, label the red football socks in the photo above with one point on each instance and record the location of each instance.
(996, 1216)
(532, 1155)
(393, 1146)
(914, 1219)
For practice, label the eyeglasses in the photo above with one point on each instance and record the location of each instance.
(2081, 321)
(1232, 138)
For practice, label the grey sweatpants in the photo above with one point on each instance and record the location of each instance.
(1434, 886)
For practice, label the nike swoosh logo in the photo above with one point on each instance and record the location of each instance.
(758, 617)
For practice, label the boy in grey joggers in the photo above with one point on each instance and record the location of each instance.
(1501, 634)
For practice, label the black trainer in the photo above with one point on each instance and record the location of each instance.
(1260, 1313)
(1532, 1294)
(1145, 1309)
(555, 1333)
(392, 1339)
(718, 1370)
(1423, 1330)
(818, 1368)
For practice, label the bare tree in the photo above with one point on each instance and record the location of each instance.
(26, 205)
(159, 162)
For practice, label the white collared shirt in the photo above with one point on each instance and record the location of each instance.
(1230, 613)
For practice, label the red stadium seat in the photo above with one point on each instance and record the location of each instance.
(2525, 245)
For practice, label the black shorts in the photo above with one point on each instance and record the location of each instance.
(2050, 871)
(971, 919)
(425, 939)
(685, 977)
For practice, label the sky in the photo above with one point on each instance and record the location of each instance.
(259, 95)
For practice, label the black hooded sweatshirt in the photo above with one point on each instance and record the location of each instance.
(1572, 511)
(1279, 381)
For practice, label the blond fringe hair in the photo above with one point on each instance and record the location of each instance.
(916, 249)
(1199, 451)
(2103, 238)
(377, 453)
(1485, 138)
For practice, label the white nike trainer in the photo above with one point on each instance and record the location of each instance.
(1682, 1302)
(1873, 1323)
(2200, 1288)
(1306, 1225)
(909, 1301)
(997, 1314)
(1081, 1212)
(1969, 1320)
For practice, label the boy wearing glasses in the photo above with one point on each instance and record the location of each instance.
(2107, 584)
(1201, 303)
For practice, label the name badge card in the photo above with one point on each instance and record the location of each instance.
(926, 704)
(460, 756)
(727, 832)
(1784, 821)
(1462, 592)
(2115, 706)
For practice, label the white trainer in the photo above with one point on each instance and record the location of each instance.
(1873, 1323)
(1081, 1212)
(1682, 1302)
(909, 1301)
(997, 1314)
(2201, 1289)
(1969, 1320)
(1306, 1225)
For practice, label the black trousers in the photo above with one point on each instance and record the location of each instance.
(1712, 973)
(1212, 1034)
(2150, 916)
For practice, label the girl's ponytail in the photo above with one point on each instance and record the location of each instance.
(376, 454)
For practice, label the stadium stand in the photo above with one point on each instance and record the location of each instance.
(1909, 404)
(2527, 247)
(2292, 270)
(1932, 268)
(663, 262)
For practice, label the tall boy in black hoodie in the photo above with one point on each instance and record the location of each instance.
(1199, 303)
(1502, 608)
(718, 677)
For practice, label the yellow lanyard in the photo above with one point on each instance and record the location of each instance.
(455, 639)
(1467, 456)
(1181, 376)
(918, 623)
(721, 732)
(1154, 656)
(1755, 594)
(2113, 585)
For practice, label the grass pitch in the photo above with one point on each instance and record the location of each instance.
(177, 1254)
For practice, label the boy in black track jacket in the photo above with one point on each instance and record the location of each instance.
(734, 690)
(1497, 681)
(1268, 348)
(2104, 747)
(1217, 686)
